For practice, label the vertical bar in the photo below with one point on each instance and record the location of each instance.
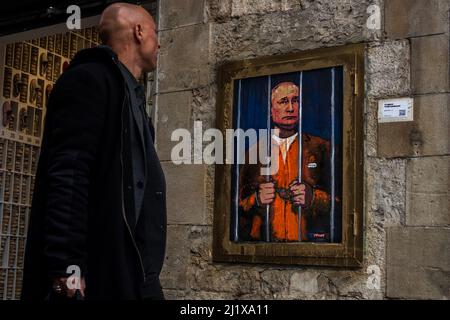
(269, 150)
(300, 149)
(332, 157)
(237, 164)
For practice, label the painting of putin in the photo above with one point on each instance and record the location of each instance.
(300, 200)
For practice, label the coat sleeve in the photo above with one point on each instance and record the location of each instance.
(75, 116)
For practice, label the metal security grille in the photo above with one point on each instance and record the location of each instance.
(29, 70)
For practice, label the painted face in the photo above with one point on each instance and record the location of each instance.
(285, 100)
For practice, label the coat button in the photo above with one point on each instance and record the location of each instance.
(159, 194)
(140, 184)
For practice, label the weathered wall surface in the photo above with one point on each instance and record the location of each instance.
(407, 165)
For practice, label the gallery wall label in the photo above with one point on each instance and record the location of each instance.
(396, 110)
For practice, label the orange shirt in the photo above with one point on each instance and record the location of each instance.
(283, 217)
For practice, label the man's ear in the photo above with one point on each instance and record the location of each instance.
(138, 33)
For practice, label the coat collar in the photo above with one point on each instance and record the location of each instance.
(102, 53)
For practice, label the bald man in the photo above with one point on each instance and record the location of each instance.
(97, 228)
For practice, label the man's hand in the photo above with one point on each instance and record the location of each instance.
(266, 193)
(60, 286)
(301, 193)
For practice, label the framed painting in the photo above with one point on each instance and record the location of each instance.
(291, 189)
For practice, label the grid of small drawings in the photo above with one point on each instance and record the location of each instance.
(29, 70)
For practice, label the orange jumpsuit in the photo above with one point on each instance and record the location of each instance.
(284, 224)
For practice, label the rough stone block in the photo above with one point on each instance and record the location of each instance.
(304, 282)
(385, 192)
(428, 191)
(388, 69)
(174, 112)
(413, 18)
(185, 193)
(200, 239)
(229, 279)
(176, 13)
(275, 284)
(310, 25)
(221, 10)
(371, 127)
(218, 10)
(183, 58)
(430, 64)
(173, 275)
(428, 134)
(240, 8)
(418, 263)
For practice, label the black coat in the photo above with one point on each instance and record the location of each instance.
(82, 211)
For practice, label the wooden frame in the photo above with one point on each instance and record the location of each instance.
(347, 253)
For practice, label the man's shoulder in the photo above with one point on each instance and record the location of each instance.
(98, 62)
(89, 75)
(96, 70)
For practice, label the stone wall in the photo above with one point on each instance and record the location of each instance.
(407, 219)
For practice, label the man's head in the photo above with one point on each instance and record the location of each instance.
(284, 110)
(131, 32)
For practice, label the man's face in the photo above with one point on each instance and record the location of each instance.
(149, 46)
(285, 99)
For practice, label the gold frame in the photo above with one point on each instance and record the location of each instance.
(348, 253)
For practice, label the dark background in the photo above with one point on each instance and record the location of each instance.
(18, 16)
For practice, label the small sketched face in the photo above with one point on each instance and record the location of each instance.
(285, 101)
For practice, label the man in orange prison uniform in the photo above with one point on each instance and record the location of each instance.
(282, 191)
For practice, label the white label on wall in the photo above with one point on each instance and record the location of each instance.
(396, 110)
